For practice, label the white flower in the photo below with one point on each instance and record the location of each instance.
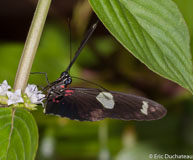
(31, 89)
(37, 98)
(4, 87)
(14, 97)
(34, 95)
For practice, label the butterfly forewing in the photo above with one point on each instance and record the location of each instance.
(93, 104)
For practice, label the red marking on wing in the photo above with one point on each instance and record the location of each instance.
(53, 100)
(67, 94)
(62, 86)
(69, 91)
(57, 101)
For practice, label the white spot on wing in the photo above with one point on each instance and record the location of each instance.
(106, 99)
(145, 107)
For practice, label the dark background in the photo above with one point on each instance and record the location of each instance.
(103, 61)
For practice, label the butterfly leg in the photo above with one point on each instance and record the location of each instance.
(44, 73)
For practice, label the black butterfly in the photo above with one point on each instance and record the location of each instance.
(96, 104)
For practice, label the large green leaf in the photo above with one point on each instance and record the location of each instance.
(18, 135)
(154, 31)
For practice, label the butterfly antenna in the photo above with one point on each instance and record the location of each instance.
(90, 82)
(83, 43)
(70, 38)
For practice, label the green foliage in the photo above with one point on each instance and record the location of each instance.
(9, 55)
(105, 45)
(18, 134)
(154, 32)
(186, 9)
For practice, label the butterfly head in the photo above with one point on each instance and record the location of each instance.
(65, 77)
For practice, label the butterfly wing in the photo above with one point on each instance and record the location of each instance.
(93, 104)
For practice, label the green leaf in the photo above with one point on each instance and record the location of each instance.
(18, 134)
(154, 31)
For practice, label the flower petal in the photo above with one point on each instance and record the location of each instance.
(14, 97)
(4, 87)
(31, 89)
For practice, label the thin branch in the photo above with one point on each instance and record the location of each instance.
(31, 44)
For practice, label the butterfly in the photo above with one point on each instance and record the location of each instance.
(91, 104)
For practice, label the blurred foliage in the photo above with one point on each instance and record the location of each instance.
(10, 54)
(104, 61)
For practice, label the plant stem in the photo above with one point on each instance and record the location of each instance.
(31, 44)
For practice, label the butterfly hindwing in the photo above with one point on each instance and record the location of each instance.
(94, 104)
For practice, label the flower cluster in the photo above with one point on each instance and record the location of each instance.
(30, 99)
